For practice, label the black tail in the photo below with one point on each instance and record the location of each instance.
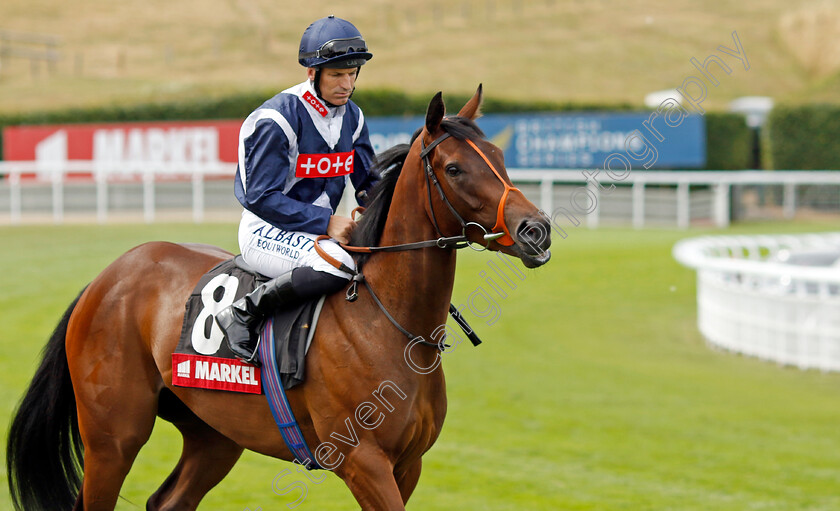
(44, 451)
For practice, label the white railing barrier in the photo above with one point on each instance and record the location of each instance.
(103, 175)
(720, 183)
(750, 301)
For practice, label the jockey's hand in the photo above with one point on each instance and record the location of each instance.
(340, 228)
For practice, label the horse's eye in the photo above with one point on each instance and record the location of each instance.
(452, 170)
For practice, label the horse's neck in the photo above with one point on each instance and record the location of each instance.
(417, 283)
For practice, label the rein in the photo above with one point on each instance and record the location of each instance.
(451, 242)
(352, 293)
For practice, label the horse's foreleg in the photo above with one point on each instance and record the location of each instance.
(407, 479)
(370, 476)
(206, 458)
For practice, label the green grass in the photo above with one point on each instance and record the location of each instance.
(608, 51)
(592, 391)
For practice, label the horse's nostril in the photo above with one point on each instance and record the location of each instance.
(529, 232)
(534, 234)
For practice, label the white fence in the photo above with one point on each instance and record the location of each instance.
(676, 198)
(112, 189)
(711, 189)
(773, 297)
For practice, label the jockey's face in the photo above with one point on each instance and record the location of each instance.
(336, 84)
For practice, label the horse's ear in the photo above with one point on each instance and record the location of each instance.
(435, 113)
(472, 110)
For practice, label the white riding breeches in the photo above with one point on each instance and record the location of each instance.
(273, 252)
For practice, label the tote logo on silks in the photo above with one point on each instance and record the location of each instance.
(317, 105)
(324, 165)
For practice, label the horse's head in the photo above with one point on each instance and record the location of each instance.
(473, 191)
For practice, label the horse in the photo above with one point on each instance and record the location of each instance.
(106, 372)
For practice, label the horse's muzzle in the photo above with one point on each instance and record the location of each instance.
(533, 238)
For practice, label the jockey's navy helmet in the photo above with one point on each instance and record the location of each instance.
(332, 42)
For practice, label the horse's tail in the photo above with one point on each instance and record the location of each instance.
(44, 450)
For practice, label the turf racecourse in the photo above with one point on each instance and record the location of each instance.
(593, 389)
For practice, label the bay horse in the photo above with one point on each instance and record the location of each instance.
(106, 372)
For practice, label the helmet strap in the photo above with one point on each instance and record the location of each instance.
(317, 86)
(318, 83)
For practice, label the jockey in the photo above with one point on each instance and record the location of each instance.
(296, 153)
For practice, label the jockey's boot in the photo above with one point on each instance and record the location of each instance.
(239, 322)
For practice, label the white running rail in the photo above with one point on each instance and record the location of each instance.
(753, 299)
(716, 185)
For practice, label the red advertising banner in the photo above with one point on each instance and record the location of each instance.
(215, 373)
(126, 148)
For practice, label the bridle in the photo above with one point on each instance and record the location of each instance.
(503, 238)
(453, 242)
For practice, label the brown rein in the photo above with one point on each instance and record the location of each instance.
(352, 293)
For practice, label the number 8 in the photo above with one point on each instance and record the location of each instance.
(204, 342)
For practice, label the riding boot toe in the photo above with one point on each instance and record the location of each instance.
(237, 329)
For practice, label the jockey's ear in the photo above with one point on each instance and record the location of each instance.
(472, 110)
(434, 115)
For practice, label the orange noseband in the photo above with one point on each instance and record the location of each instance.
(505, 240)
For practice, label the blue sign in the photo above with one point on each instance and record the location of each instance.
(575, 140)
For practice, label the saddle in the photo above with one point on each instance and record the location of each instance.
(203, 360)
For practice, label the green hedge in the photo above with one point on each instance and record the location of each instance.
(235, 106)
(388, 102)
(238, 106)
(728, 139)
(729, 142)
(802, 137)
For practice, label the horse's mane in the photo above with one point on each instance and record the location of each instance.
(389, 165)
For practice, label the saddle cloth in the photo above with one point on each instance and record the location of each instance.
(202, 358)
